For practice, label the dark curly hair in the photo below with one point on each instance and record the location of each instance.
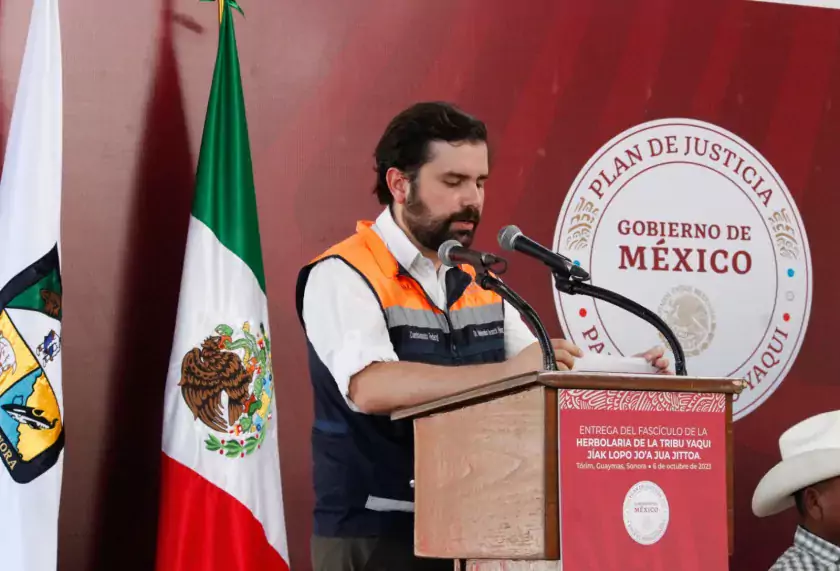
(405, 143)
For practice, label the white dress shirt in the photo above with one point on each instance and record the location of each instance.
(345, 324)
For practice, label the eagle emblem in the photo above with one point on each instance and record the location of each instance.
(226, 383)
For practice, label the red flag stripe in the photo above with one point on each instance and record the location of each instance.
(195, 514)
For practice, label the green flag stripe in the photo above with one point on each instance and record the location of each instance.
(225, 199)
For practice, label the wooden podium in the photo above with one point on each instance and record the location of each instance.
(577, 471)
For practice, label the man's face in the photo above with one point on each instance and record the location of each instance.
(446, 199)
(823, 507)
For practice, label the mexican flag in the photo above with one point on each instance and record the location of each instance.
(31, 405)
(221, 497)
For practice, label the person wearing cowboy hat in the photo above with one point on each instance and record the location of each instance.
(808, 477)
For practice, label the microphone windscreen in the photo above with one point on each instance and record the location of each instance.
(445, 250)
(507, 236)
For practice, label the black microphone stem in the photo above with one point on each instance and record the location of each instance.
(488, 282)
(573, 287)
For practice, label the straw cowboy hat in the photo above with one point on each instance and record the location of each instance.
(810, 454)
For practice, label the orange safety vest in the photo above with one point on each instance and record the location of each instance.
(363, 463)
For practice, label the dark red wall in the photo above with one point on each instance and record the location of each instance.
(554, 79)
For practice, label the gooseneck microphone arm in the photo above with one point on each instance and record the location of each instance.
(570, 278)
(451, 253)
(489, 282)
(567, 284)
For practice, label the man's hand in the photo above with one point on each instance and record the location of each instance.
(530, 359)
(656, 357)
(374, 391)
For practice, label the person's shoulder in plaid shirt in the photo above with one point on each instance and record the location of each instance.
(808, 477)
(808, 553)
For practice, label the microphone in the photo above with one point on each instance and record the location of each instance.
(511, 238)
(452, 253)
(570, 279)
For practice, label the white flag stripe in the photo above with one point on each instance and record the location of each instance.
(217, 287)
(30, 189)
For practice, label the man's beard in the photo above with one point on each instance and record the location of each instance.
(432, 232)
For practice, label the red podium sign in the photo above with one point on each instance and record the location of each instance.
(643, 481)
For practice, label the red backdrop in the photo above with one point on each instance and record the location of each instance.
(554, 80)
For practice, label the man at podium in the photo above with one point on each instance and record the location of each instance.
(388, 326)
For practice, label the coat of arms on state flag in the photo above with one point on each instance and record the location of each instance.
(31, 431)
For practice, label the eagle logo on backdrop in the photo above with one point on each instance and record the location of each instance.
(31, 429)
(227, 384)
(692, 222)
(691, 316)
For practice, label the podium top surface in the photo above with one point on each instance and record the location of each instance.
(576, 380)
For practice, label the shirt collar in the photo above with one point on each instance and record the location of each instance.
(396, 241)
(816, 546)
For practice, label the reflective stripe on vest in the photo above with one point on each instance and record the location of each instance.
(403, 302)
(370, 490)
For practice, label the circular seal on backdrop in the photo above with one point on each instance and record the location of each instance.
(646, 513)
(693, 223)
